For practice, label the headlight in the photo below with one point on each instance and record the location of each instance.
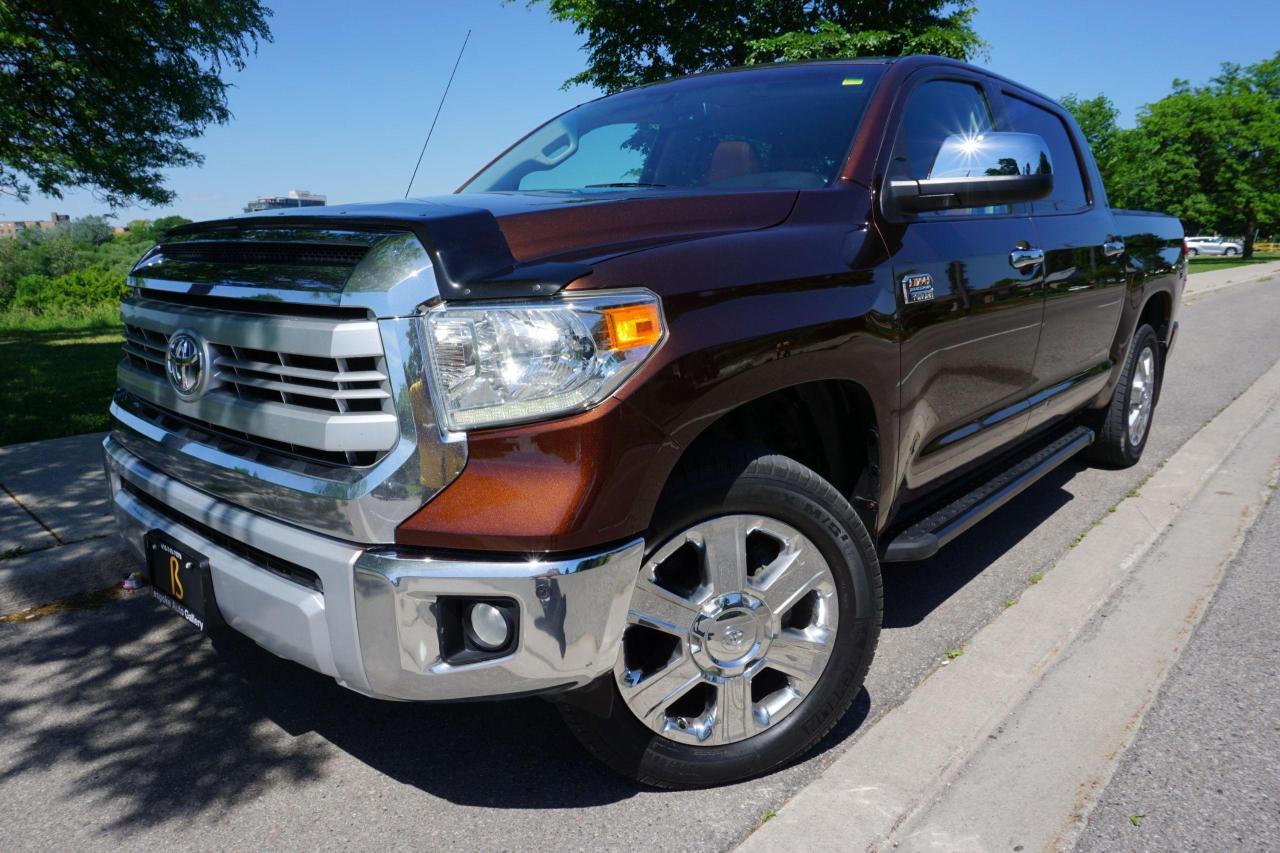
(508, 362)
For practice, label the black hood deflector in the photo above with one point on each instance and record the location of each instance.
(471, 257)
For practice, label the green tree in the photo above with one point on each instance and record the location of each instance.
(103, 94)
(1112, 146)
(164, 223)
(1209, 155)
(630, 43)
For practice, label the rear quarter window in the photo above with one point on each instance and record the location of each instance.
(1069, 193)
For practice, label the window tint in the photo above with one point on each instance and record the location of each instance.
(767, 127)
(937, 110)
(1068, 185)
(603, 156)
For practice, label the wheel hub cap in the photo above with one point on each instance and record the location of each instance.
(1142, 394)
(731, 625)
(732, 632)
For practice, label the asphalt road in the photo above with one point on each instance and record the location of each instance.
(1204, 770)
(122, 728)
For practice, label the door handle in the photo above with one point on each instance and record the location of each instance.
(1113, 247)
(1022, 259)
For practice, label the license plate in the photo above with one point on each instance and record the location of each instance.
(180, 579)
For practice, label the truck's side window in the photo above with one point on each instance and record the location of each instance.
(1068, 184)
(937, 110)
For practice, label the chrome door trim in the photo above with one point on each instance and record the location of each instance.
(1022, 259)
(1113, 247)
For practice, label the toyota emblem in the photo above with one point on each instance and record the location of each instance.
(185, 364)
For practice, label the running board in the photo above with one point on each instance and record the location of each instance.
(925, 537)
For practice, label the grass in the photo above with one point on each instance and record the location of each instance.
(1205, 263)
(59, 373)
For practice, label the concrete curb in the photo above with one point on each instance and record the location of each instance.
(43, 577)
(881, 789)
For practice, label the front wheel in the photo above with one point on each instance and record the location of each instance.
(751, 628)
(1126, 422)
(1228, 252)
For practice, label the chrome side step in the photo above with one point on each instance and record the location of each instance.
(925, 537)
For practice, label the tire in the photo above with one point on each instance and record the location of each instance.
(696, 740)
(1228, 252)
(1120, 440)
(1193, 252)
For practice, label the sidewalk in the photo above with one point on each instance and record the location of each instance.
(57, 537)
(1200, 283)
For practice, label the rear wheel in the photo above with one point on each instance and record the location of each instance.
(1193, 252)
(1126, 423)
(751, 628)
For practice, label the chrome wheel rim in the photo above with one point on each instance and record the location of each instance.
(1142, 390)
(731, 625)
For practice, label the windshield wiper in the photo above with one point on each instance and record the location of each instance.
(622, 184)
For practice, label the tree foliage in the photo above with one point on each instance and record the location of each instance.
(1209, 154)
(76, 265)
(103, 94)
(630, 43)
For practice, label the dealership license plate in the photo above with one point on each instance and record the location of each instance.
(181, 580)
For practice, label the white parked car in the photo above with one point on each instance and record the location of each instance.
(1212, 246)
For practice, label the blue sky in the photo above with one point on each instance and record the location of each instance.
(340, 101)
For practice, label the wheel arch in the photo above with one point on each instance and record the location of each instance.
(831, 426)
(1157, 312)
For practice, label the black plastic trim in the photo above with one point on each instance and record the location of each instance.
(472, 258)
(927, 536)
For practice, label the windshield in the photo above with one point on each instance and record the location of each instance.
(751, 129)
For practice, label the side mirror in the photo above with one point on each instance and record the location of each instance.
(978, 171)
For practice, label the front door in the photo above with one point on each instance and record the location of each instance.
(969, 295)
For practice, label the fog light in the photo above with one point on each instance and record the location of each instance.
(489, 627)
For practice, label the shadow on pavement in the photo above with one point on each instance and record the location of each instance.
(154, 724)
(149, 722)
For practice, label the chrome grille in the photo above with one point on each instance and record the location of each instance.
(329, 384)
(317, 387)
(320, 415)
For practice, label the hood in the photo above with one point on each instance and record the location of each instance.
(591, 228)
(481, 246)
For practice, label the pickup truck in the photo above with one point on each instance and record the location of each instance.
(634, 418)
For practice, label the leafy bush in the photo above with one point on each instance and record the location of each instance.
(75, 291)
(74, 267)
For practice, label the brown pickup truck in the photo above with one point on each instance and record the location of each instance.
(633, 419)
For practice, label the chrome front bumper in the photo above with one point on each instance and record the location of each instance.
(373, 623)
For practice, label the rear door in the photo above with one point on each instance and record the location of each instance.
(969, 318)
(1084, 272)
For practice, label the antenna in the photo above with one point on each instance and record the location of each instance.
(437, 116)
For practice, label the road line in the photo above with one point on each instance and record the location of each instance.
(884, 784)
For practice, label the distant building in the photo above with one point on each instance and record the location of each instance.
(12, 227)
(295, 198)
